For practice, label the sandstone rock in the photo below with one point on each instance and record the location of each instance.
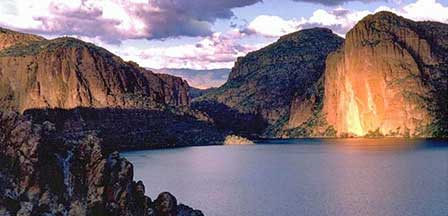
(237, 140)
(127, 106)
(69, 73)
(389, 75)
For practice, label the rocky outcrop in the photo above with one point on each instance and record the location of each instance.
(264, 82)
(237, 140)
(68, 73)
(82, 87)
(10, 38)
(391, 77)
(47, 173)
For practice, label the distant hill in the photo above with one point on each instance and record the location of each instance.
(201, 79)
(264, 82)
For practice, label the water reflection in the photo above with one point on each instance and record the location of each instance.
(379, 144)
(304, 177)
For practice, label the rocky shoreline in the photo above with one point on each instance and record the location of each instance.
(47, 173)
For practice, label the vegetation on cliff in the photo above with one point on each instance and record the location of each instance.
(264, 83)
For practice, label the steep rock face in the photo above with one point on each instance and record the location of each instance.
(390, 77)
(83, 88)
(306, 118)
(47, 173)
(265, 82)
(68, 73)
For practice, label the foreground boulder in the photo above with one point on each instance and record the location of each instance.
(45, 173)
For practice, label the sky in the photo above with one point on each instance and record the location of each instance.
(197, 34)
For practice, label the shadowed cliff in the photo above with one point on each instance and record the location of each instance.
(128, 129)
(264, 82)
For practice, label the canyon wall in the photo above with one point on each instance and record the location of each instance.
(82, 87)
(389, 77)
(68, 73)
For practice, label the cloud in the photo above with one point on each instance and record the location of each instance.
(216, 51)
(424, 10)
(341, 20)
(271, 26)
(116, 20)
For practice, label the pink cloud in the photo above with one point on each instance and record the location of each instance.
(116, 20)
(216, 51)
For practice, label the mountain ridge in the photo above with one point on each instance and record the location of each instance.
(264, 82)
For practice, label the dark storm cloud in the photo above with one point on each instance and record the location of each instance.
(189, 18)
(154, 19)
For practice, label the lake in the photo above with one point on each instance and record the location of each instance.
(303, 177)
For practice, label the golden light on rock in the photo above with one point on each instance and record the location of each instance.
(352, 118)
(373, 84)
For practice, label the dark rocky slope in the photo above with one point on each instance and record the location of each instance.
(264, 83)
(44, 172)
(390, 78)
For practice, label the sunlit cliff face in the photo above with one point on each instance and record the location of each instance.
(370, 86)
(352, 117)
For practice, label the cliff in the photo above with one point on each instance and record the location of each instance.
(44, 172)
(264, 83)
(389, 79)
(82, 87)
(68, 73)
(391, 75)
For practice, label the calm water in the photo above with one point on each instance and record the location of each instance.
(303, 177)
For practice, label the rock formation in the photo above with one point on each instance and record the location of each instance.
(237, 140)
(82, 87)
(264, 82)
(391, 76)
(68, 73)
(47, 173)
